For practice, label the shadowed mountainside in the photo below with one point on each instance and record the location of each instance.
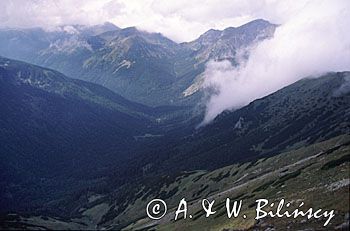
(59, 134)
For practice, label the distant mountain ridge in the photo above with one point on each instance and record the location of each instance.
(223, 45)
(141, 66)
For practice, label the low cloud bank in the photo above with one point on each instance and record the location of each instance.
(314, 41)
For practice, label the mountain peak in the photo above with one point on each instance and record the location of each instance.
(223, 44)
(256, 24)
(97, 29)
(258, 21)
(110, 25)
(131, 29)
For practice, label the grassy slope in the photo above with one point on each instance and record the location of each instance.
(317, 174)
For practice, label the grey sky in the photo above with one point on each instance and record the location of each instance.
(181, 20)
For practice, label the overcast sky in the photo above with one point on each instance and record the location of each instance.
(180, 20)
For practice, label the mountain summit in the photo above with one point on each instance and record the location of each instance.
(223, 45)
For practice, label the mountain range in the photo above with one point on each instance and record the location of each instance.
(141, 66)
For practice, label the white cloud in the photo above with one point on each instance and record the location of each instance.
(181, 20)
(314, 40)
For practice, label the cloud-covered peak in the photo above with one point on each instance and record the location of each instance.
(316, 40)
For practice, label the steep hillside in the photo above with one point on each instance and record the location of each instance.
(316, 174)
(136, 64)
(59, 135)
(305, 112)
